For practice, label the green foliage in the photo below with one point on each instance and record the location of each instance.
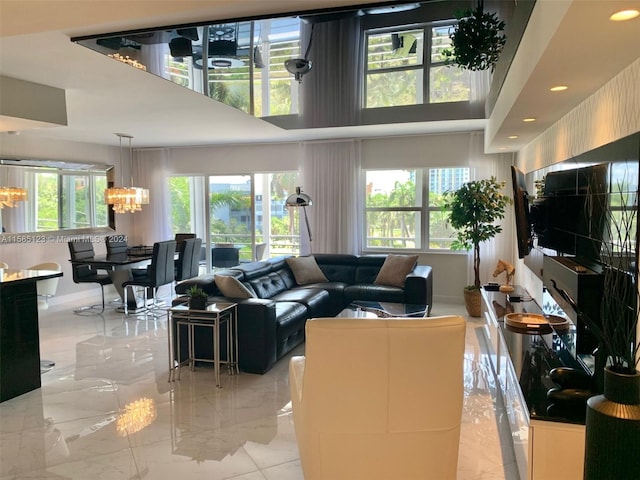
(473, 209)
(195, 291)
(477, 40)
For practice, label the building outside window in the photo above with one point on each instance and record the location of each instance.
(404, 208)
(405, 66)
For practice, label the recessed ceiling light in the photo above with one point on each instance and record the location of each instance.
(623, 15)
(558, 88)
(502, 148)
(530, 119)
(513, 137)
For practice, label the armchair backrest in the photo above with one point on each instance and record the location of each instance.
(162, 268)
(379, 398)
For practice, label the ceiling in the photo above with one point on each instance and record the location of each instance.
(104, 96)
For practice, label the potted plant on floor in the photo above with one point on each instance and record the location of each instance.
(197, 298)
(473, 210)
(613, 418)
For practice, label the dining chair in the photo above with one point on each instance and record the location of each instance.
(188, 262)
(225, 257)
(160, 272)
(260, 250)
(181, 237)
(115, 245)
(379, 398)
(81, 250)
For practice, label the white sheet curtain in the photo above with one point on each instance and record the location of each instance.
(501, 247)
(153, 223)
(330, 92)
(331, 177)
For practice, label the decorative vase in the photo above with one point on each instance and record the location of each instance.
(472, 301)
(198, 303)
(613, 429)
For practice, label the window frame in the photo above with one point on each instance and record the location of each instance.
(422, 175)
(426, 65)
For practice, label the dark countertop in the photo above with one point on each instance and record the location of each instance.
(14, 275)
(535, 353)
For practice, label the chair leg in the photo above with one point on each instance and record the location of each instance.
(92, 309)
(126, 301)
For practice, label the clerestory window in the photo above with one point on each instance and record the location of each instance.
(405, 66)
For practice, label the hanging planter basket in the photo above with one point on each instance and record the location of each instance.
(477, 40)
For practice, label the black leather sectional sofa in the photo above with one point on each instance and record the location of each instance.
(272, 324)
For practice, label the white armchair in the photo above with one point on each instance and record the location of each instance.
(379, 398)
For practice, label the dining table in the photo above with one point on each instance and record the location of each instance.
(119, 266)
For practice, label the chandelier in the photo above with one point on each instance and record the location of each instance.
(128, 60)
(10, 195)
(136, 416)
(126, 199)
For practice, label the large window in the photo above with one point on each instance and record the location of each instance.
(247, 211)
(404, 208)
(405, 66)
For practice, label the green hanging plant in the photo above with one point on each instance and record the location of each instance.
(477, 40)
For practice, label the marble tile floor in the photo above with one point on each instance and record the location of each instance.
(111, 373)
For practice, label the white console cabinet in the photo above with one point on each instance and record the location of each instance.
(546, 446)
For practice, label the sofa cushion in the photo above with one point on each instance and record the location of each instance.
(268, 285)
(336, 295)
(290, 317)
(306, 270)
(232, 287)
(317, 301)
(338, 267)
(379, 293)
(394, 270)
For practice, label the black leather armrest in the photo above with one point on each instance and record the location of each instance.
(256, 335)
(418, 286)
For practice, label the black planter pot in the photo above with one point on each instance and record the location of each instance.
(197, 303)
(613, 429)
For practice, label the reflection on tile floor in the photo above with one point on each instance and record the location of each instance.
(106, 411)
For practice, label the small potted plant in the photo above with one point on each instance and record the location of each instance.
(197, 298)
(477, 40)
(472, 210)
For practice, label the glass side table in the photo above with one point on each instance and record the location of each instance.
(213, 317)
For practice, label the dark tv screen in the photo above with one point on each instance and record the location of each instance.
(521, 204)
(569, 216)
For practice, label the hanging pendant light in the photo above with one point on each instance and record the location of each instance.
(126, 199)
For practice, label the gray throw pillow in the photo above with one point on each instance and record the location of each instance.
(306, 270)
(232, 287)
(394, 270)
